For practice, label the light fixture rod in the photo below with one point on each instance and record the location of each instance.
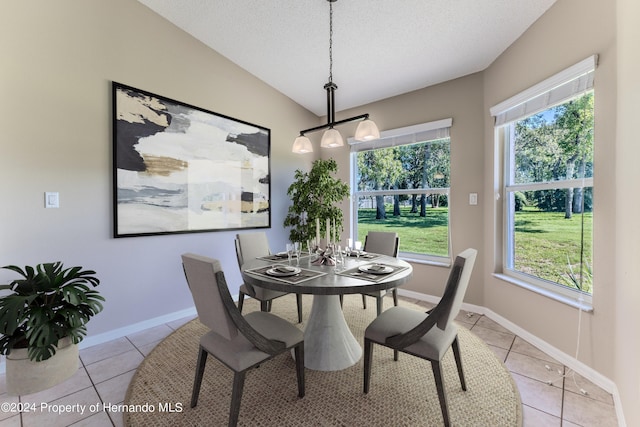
(367, 130)
(331, 99)
(334, 123)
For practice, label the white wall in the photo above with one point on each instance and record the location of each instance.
(627, 177)
(58, 61)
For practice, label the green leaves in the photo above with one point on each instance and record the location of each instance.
(315, 194)
(47, 304)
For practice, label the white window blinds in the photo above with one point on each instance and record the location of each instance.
(555, 90)
(424, 132)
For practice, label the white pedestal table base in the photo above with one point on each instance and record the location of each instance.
(329, 344)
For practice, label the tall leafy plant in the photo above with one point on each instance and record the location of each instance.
(315, 194)
(47, 304)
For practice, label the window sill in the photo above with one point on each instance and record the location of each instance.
(587, 308)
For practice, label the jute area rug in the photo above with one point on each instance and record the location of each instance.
(402, 393)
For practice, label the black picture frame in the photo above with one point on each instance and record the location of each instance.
(178, 168)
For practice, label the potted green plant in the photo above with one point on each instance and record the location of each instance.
(42, 320)
(315, 196)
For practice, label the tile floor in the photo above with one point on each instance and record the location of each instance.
(107, 369)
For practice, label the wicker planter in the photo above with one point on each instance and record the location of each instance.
(25, 376)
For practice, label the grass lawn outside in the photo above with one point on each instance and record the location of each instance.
(422, 235)
(546, 243)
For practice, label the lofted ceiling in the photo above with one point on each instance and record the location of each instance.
(380, 48)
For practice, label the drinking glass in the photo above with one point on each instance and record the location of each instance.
(297, 248)
(358, 247)
(339, 258)
(290, 249)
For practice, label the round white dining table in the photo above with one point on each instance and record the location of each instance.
(329, 344)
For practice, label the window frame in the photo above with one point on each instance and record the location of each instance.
(509, 221)
(570, 83)
(421, 133)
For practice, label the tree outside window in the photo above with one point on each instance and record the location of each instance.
(549, 188)
(405, 189)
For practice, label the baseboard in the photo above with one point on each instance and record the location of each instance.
(136, 327)
(567, 360)
(127, 330)
(562, 357)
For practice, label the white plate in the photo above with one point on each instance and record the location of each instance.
(376, 269)
(283, 271)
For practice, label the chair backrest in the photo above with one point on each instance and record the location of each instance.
(200, 272)
(382, 242)
(457, 284)
(251, 245)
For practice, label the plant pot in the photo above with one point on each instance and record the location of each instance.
(25, 376)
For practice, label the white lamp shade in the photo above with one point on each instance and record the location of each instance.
(331, 139)
(302, 145)
(366, 131)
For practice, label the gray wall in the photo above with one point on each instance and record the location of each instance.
(57, 65)
(569, 32)
(57, 68)
(560, 38)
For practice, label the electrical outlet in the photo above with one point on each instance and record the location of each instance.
(51, 199)
(473, 198)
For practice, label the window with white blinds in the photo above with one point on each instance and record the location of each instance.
(547, 137)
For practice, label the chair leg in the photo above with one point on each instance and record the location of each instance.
(236, 397)
(299, 355)
(395, 355)
(456, 354)
(299, 303)
(341, 300)
(240, 301)
(394, 292)
(437, 374)
(364, 302)
(264, 305)
(379, 302)
(368, 358)
(197, 382)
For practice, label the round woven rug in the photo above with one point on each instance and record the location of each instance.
(402, 393)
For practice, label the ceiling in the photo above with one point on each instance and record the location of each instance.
(380, 48)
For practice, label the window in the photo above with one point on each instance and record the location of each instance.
(548, 183)
(400, 183)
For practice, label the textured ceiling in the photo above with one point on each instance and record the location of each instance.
(380, 48)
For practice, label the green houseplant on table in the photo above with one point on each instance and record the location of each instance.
(314, 195)
(42, 320)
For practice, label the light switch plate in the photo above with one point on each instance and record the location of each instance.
(473, 198)
(51, 199)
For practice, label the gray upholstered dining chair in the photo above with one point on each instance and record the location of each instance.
(253, 245)
(239, 342)
(385, 243)
(425, 335)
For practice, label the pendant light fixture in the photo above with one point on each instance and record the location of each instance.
(367, 129)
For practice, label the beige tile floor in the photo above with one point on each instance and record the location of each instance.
(107, 369)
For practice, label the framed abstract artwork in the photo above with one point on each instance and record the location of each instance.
(183, 169)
